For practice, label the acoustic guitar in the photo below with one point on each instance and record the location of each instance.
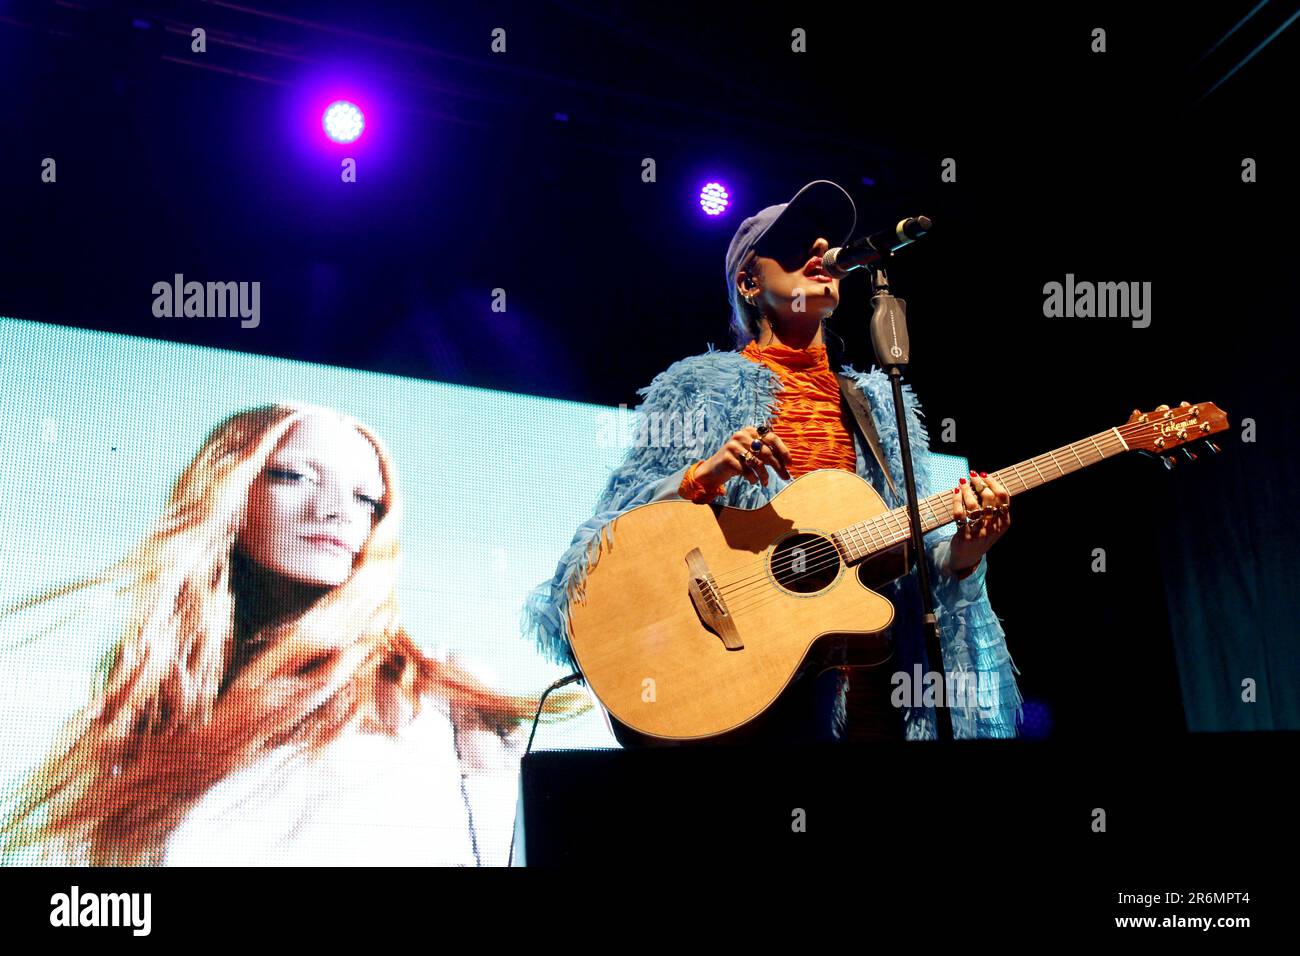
(694, 618)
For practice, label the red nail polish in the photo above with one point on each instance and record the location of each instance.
(972, 474)
(984, 474)
(956, 491)
(963, 481)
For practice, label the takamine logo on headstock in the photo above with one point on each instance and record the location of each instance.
(1166, 429)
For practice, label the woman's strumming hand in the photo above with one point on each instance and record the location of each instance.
(730, 459)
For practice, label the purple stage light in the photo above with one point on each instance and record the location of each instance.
(714, 199)
(343, 121)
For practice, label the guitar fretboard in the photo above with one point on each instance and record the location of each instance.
(867, 538)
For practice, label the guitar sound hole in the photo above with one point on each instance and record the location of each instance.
(805, 563)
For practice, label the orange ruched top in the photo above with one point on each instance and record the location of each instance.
(810, 421)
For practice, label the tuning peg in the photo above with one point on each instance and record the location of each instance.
(1170, 461)
(1191, 455)
(1162, 408)
(1183, 404)
(1211, 447)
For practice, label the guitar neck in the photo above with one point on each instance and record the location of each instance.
(861, 541)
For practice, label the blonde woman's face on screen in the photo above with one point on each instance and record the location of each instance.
(315, 503)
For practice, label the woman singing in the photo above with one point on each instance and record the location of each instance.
(772, 411)
(264, 703)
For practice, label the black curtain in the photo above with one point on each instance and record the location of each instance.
(1230, 537)
(1230, 563)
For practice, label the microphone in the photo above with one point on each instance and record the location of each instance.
(869, 250)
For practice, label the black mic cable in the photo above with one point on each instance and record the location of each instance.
(575, 676)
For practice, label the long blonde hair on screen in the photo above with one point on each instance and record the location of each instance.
(176, 705)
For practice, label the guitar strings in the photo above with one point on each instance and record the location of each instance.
(888, 523)
(825, 555)
(891, 521)
(758, 598)
(747, 602)
(896, 521)
(826, 548)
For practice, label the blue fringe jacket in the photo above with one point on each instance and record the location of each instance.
(724, 391)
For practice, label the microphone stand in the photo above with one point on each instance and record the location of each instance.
(889, 338)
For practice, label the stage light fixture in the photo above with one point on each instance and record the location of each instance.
(343, 121)
(714, 199)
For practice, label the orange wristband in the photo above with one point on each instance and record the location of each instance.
(694, 490)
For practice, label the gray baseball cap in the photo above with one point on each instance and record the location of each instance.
(822, 208)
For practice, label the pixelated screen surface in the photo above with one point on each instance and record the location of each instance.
(97, 429)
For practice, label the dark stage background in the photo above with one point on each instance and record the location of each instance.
(522, 171)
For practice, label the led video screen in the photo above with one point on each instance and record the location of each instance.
(261, 611)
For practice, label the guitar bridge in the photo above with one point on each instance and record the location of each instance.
(709, 603)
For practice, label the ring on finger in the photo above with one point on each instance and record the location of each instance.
(756, 445)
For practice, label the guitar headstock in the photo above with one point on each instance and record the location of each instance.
(1163, 431)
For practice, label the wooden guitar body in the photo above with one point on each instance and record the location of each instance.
(657, 656)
